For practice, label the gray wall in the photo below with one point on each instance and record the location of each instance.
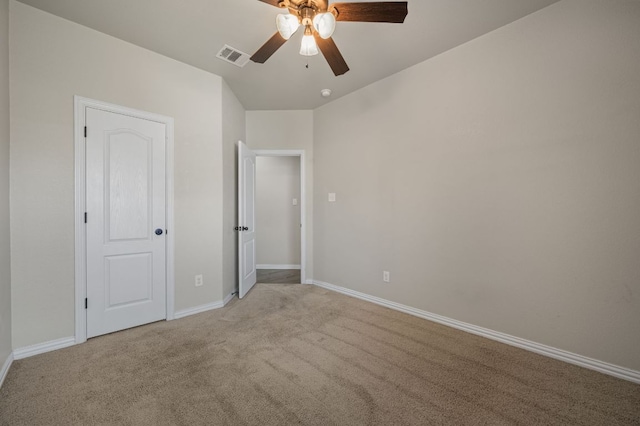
(277, 219)
(233, 130)
(51, 61)
(288, 130)
(5, 255)
(499, 182)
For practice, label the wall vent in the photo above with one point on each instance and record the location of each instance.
(233, 56)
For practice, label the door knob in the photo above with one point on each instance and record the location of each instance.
(158, 231)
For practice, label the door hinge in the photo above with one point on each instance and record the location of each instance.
(86, 303)
(85, 217)
(85, 131)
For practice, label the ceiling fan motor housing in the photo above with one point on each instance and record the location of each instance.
(306, 15)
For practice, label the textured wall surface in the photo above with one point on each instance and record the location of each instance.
(233, 130)
(498, 182)
(288, 130)
(5, 244)
(47, 70)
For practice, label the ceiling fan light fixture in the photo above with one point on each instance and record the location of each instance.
(325, 24)
(319, 20)
(308, 47)
(287, 25)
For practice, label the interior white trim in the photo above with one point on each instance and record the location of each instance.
(270, 266)
(5, 368)
(560, 354)
(303, 199)
(80, 104)
(202, 308)
(228, 298)
(197, 309)
(41, 348)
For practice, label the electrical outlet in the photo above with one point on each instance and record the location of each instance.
(199, 280)
(295, 201)
(332, 197)
(386, 276)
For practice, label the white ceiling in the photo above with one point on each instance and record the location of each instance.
(193, 31)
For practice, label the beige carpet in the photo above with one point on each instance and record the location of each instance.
(278, 276)
(293, 354)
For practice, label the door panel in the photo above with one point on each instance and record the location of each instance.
(126, 260)
(249, 258)
(130, 179)
(246, 219)
(127, 279)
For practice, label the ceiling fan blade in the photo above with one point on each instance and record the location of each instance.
(331, 54)
(386, 11)
(268, 49)
(271, 2)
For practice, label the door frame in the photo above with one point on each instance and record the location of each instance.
(80, 104)
(303, 199)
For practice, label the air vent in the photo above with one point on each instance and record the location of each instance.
(233, 56)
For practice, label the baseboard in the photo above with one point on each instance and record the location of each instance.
(269, 266)
(5, 368)
(560, 354)
(204, 308)
(42, 348)
(228, 298)
(198, 310)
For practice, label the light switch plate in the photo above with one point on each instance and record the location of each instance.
(295, 201)
(332, 197)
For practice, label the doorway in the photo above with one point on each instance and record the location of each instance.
(289, 172)
(278, 217)
(247, 253)
(124, 216)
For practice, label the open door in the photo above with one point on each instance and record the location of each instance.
(246, 219)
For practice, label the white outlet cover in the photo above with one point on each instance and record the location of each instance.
(332, 197)
(295, 201)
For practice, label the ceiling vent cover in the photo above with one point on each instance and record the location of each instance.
(233, 56)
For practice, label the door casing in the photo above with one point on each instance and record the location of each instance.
(80, 105)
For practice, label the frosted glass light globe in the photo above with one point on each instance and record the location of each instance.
(287, 25)
(325, 24)
(308, 46)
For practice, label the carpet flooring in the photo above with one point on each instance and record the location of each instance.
(296, 354)
(278, 276)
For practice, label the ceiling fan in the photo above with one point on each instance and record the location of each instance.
(319, 20)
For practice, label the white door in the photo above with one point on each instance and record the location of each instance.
(126, 214)
(246, 219)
